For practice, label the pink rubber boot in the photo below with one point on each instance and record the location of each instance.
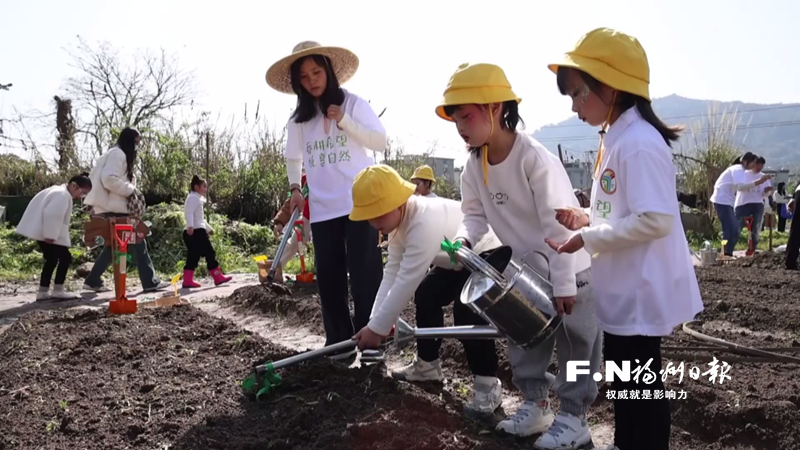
(188, 279)
(219, 277)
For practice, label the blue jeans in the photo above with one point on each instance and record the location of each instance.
(147, 273)
(756, 211)
(730, 227)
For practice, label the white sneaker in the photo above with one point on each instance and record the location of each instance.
(487, 395)
(99, 289)
(532, 417)
(566, 432)
(420, 371)
(59, 293)
(43, 294)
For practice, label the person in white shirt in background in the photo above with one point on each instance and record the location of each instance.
(751, 188)
(512, 184)
(196, 236)
(334, 134)
(416, 226)
(780, 199)
(644, 280)
(46, 220)
(114, 182)
(424, 179)
(724, 197)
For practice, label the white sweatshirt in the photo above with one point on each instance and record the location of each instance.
(519, 203)
(413, 247)
(333, 157)
(48, 216)
(193, 212)
(110, 185)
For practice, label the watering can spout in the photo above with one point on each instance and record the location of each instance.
(403, 333)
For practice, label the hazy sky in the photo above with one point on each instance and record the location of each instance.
(723, 50)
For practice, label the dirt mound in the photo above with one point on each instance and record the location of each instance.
(300, 309)
(169, 378)
(765, 260)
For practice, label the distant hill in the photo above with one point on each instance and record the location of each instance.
(770, 130)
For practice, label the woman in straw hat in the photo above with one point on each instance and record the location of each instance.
(645, 284)
(513, 184)
(416, 225)
(333, 133)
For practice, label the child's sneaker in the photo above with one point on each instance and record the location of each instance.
(59, 293)
(487, 395)
(43, 294)
(420, 371)
(566, 432)
(98, 289)
(532, 417)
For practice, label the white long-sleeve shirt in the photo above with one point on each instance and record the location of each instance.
(48, 216)
(413, 247)
(519, 203)
(333, 157)
(193, 212)
(110, 185)
(643, 278)
(725, 186)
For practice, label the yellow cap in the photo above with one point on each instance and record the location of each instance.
(378, 190)
(423, 173)
(613, 58)
(479, 84)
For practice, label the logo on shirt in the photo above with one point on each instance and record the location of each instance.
(603, 209)
(608, 181)
(499, 198)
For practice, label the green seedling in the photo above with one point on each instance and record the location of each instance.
(52, 425)
(63, 405)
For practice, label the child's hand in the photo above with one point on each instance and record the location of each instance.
(572, 218)
(278, 229)
(574, 244)
(565, 304)
(190, 231)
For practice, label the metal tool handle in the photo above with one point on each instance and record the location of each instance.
(297, 359)
(546, 260)
(287, 232)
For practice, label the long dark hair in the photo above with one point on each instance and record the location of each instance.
(509, 119)
(82, 180)
(626, 101)
(196, 181)
(746, 158)
(127, 143)
(782, 188)
(307, 107)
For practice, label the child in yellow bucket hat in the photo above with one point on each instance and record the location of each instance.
(423, 177)
(416, 226)
(644, 282)
(514, 184)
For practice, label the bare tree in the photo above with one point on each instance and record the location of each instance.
(113, 93)
(65, 126)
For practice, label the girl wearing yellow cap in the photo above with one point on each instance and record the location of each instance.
(424, 179)
(645, 283)
(416, 226)
(333, 133)
(513, 184)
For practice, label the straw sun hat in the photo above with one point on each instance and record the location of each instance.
(345, 64)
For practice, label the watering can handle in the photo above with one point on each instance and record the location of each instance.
(546, 260)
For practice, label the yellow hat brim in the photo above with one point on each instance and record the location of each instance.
(376, 209)
(422, 177)
(478, 95)
(605, 74)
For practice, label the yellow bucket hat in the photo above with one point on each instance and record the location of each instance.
(479, 84)
(423, 173)
(378, 190)
(613, 58)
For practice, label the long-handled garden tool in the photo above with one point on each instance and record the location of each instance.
(270, 280)
(265, 378)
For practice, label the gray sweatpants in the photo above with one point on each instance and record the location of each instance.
(578, 338)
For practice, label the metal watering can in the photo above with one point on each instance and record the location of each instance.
(511, 295)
